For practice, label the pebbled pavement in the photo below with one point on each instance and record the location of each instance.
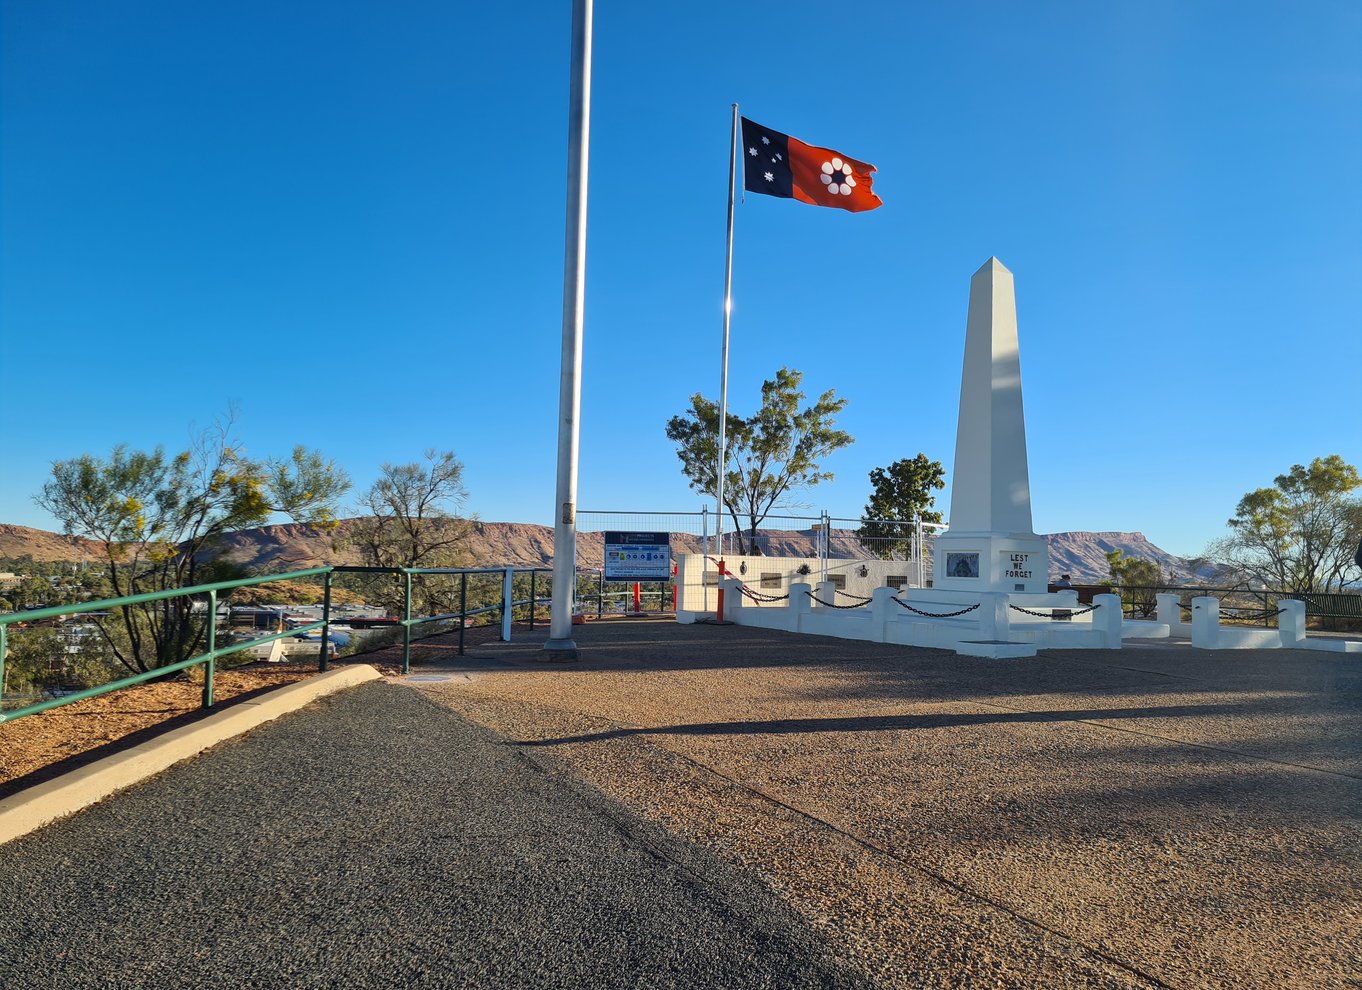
(379, 840)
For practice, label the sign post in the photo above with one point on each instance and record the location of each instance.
(637, 557)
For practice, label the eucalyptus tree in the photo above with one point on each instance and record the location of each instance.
(159, 521)
(772, 455)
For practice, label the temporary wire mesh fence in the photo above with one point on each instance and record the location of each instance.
(818, 536)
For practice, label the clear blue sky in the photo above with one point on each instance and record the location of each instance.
(347, 219)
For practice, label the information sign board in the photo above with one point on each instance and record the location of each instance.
(637, 556)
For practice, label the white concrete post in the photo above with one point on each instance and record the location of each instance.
(733, 597)
(882, 612)
(993, 622)
(826, 591)
(800, 604)
(1205, 622)
(1107, 620)
(1291, 623)
(506, 600)
(1169, 610)
(1068, 598)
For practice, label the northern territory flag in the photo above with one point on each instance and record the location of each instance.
(779, 165)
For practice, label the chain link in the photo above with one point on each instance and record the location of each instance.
(934, 615)
(1068, 614)
(856, 598)
(760, 598)
(1250, 614)
(834, 604)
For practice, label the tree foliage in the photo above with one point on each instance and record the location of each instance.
(1301, 534)
(41, 659)
(1138, 581)
(159, 520)
(33, 660)
(411, 518)
(772, 454)
(899, 495)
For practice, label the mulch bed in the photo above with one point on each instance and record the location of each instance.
(39, 747)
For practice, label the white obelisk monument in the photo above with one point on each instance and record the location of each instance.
(990, 545)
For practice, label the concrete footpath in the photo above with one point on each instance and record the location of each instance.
(377, 839)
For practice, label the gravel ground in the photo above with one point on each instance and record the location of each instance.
(378, 840)
(1155, 817)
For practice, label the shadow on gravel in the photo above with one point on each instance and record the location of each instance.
(892, 723)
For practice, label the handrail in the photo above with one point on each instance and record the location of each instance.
(208, 659)
(53, 611)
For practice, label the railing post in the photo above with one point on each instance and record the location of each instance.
(209, 667)
(463, 607)
(326, 618)
(533, 574)
(406, 622)
(600, 592)
(4, 637)
(506, 600)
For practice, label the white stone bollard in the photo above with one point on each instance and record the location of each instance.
(800, 604)
(1107, 620)
(824, 591)
(1291, 623)
(993, 618)
(1169, 611)
(1068, 598)
(882, 612)
(1205, 622)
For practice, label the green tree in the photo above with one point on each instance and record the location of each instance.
(772, 454)
(411, 518)
(30, 592)
(900, 494)
(1300, 535)
(33, 661)
(1138, 581)
(159, 520)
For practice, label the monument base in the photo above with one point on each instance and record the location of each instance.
(995, 649)
(1016, 563)
(560, 649)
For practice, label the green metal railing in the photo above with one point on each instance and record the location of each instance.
(208, 659)
(505, 607)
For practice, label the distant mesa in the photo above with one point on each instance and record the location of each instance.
(292, 546)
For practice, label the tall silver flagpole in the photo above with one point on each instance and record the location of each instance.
(570, 384)
(723, 374)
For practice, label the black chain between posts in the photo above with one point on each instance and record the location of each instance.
(856, 598)
(833, 604)
(1068, 614)
(1252, 615)
(935, 615)
(756, 597)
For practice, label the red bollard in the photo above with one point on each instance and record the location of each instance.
(638, 603)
